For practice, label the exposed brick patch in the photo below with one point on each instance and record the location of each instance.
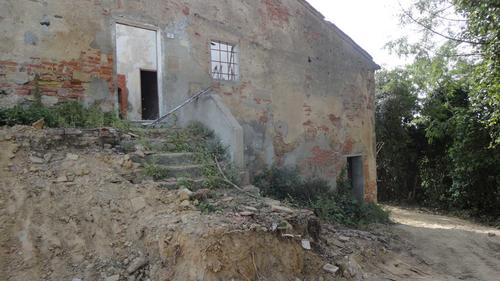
(313, 35)
(370, 184)
(311, 133)
(321, 162)
(307, 110)
(277, 12)
(123, 92)
(371, 191)
(64, 79)
(336, 121)
(322, 157)
(352, 109)
(216, 85)
(281, 148)
(263, 117)
(348, 146)
(308, 123)
(261, 101)
(353, 103)
(186, 11)
(311, 130)
(69, 137)
(243, 86)
(241, 91)
(324, 129)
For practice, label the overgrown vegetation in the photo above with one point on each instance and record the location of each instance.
(437, 119)
(337, 206)
(67, 114)
(207, 208)
(154, 171)
(206, 147)
(195, 138)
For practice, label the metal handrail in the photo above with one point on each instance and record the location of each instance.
(192, 98)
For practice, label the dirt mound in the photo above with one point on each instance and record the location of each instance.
(69, 211)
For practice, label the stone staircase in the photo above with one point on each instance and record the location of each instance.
(178, 169)
(149, 147)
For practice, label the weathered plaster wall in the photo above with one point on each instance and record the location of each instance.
(66, 47)
(305, 95)
(135, 50)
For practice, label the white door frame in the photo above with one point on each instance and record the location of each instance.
(159, 55)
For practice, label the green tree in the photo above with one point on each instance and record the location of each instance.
(472, 31)
(396, 102)
(451, 137)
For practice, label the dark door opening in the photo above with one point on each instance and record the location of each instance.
(149, 95)
(356, 177)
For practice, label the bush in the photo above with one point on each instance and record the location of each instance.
(286, 183)
(25, 115)
(66, 114)
(337, 206)
(155, 171)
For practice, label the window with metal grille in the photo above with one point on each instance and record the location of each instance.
(224, 61)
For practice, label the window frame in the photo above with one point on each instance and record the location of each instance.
(235, 63)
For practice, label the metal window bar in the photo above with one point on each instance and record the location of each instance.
(223, 61)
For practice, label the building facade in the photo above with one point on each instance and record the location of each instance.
(287, 87)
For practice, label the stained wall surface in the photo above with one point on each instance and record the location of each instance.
(305, 94)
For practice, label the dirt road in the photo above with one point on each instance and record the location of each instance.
(448, 248)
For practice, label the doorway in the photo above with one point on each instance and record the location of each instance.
(356, 177)
(149, 95)
(138, 64)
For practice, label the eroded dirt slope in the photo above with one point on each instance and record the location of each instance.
(69, 211)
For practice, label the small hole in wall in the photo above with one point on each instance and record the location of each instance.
(45, 21)
(309, 59)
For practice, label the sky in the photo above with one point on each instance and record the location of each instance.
(370, 23)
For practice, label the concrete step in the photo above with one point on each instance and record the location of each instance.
(191, 184)
(168, 173)
(155, 132)
(166, 159)
(183, 171)
(154, 144)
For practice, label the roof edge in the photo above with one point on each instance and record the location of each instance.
(342, 34)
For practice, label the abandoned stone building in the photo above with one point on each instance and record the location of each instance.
(287, 88)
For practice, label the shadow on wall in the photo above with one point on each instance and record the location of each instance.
(211, 111)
